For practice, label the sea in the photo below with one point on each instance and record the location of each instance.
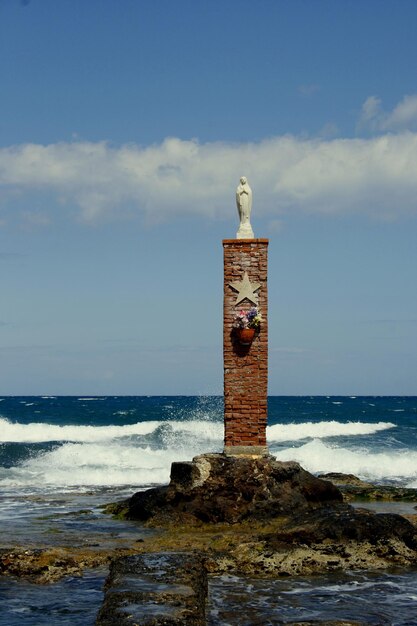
(62, 458)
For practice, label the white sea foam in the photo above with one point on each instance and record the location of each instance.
(108, 463)
(142, 453)
(210, 430)
(317, 456)
(352, 586)
(139, 454)
(41, 432)
(89, 399)
(36, 432)
(294, 432)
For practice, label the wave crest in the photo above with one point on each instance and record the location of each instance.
(319, 430)
(317, 456)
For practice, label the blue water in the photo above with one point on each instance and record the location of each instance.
(60, 454)
(383, 599)
(68, 602)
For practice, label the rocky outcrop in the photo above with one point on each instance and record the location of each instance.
(222, 514)
(353, 488)
(44, 566)
(342, 523)
(216, 488)
(167, 589)
(285, 520)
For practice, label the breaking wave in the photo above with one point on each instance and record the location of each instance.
(140, 454)
(318, 456)
(41, 432)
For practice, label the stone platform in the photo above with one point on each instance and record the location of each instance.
(155, 590)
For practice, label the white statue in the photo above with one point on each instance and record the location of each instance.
(244, 207)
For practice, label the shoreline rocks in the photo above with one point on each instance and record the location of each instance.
(48, 565)
(253, 515)
(227, 515)
(216, 488)
(247, 516)
(285, 520)
(355, 489)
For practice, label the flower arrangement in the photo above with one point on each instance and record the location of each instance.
(247, 319)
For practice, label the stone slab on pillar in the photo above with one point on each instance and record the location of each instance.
(245, 366)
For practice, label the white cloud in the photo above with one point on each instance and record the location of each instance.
(402, 117)
(371, 114)
(375, 176)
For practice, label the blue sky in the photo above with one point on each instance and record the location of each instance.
(124, 128)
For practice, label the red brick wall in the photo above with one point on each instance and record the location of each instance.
(245, 367)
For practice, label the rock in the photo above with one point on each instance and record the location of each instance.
(343, 523)
(353, 488)
(39, 566)
(164, 589)
(48, 565)
(218, 488)
(337, 478)
(167, 589)
(298, 523)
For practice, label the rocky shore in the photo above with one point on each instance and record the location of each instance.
(262, 516)
(356, 490)
(239, 515)
(251, 517)
(48, 565)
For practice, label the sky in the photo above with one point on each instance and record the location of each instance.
(124, 128)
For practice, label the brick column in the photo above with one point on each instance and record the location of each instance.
(245, 367)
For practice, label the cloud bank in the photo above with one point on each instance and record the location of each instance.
(375, 176)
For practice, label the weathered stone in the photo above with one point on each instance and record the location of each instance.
(353, 488)
(338, 478)
(300, 524)
(343, 523)
(218, 488)
(45, 566)
(167, 589)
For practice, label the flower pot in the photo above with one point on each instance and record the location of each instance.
(246, 336)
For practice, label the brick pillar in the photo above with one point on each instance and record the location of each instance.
(245, 367)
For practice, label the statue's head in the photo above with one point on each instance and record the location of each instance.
(243, 180)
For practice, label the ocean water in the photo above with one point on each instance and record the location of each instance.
(62, 454)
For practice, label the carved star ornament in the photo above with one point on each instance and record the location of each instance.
(246, 289)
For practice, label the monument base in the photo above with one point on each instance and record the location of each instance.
(248, 451)
(217, 488)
